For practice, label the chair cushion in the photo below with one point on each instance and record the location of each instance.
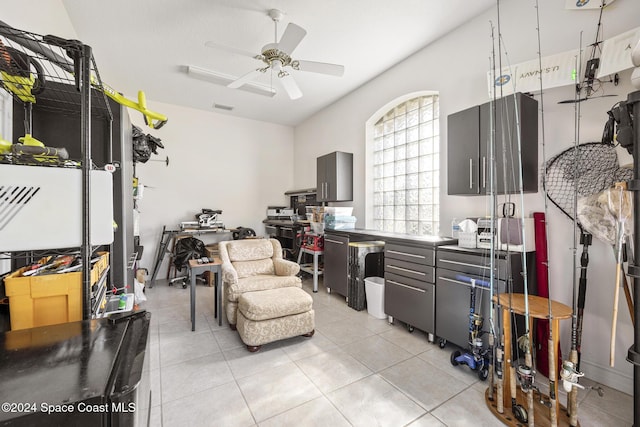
(274, 303)
(261, 283)
(249, 249)
(254, 267)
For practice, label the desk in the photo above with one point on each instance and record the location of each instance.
(215, 268)
(168, 235)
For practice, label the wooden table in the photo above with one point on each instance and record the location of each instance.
(214, 267)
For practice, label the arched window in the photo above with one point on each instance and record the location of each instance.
(403, 165)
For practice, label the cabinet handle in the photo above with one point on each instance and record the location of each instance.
(286, 228)
(470, 173)
(333, 241)
(484, 172)
(405, 254)
(407, 270)
(464, 263)
(458, 282)
(413, 288)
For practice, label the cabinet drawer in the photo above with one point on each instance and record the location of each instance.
(471, 263)
(270, 230)
(406, 280)
(410, 304)
(410, 253)
(412, 270)
(336, 239)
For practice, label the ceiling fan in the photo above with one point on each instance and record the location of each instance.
(276, 57)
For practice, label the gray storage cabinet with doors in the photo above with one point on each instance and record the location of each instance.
(469, 156)
(336, 263)
(335, 177)
(409, 291)
(455, 268)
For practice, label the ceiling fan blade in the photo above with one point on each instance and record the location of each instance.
(243, 79)
(230, 49)
(291, 38)
(574, 101)
(290, 86)
(321, 67)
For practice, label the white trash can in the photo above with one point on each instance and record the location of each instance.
(374, 288)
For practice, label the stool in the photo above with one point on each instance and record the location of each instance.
(274, 314)
(313, 244)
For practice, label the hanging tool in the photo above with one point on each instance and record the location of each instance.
(621, 208)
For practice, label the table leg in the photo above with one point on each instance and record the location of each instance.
(219, 295)
(315, 272)
(193, 300)
(215, 294)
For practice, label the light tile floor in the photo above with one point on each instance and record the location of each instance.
(355, 371)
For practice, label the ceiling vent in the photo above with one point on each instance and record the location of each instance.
(223, 107)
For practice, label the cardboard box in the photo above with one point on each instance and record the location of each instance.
(48, 299)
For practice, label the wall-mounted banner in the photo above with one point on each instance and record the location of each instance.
(557, 70)
(586, 4)
(616, 53)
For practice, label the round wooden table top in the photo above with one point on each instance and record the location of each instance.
(538, 306)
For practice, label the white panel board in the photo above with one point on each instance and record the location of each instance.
(586, 4)
(41, 208)
(556, 70)
(616, 53)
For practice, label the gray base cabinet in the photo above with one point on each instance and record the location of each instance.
(336, 263)
(455, 269)
(409, 292)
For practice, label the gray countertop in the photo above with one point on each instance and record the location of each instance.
(400, 237)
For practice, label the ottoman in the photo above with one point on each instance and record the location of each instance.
(274, 314)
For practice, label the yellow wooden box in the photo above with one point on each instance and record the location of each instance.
(49, 299)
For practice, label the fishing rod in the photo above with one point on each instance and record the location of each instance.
(495, 368)
(525, 372)
(579, 287)
(551, 350)
(519, 412)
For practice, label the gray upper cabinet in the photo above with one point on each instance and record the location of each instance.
(463, 130)
(469, 154)
(335, 177)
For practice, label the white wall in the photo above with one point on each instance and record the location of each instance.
(215, 161)
(456, 67)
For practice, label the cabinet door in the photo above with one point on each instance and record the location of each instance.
(463, 134)
(336, 256)
(453, 302)
(410, 301)
(321, 178)
(511, 115)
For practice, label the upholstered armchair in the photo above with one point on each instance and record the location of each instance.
(250, 265)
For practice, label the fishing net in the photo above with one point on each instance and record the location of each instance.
(583, 171)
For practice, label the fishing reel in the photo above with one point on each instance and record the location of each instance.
(476, 322)
(570, 376)
(526, 376)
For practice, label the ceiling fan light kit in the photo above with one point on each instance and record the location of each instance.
(277, 58)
